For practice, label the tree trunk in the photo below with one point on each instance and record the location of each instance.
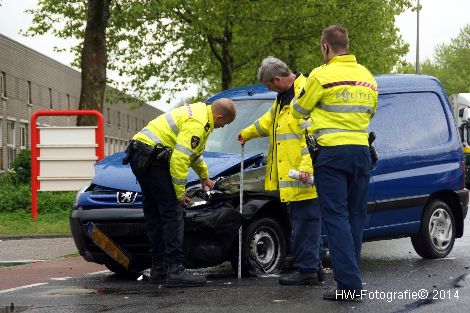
(227, 60)
(227, 71)
(94, 60)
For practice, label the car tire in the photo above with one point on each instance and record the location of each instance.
(121, 272)
(263, 249)
(437, 233)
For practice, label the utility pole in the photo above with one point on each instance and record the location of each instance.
(418, 70)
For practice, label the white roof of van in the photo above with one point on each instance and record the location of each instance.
(463, 98)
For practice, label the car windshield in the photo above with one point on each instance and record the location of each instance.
(225, 139)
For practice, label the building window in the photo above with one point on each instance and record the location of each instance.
(136, 126)
(68, 101)
(3, 84)
(111, 146)
(128, 123)
(10, 142)
(50, 98)
(106, 148)
(108, 113)
(119, 120)
(23, 136)
(29, 97)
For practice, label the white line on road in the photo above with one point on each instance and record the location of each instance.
(22, 287)
(61, 278)
(21, 261)
(99, 272)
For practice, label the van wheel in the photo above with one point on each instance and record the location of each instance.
(263, 248)
(437, 234)
(121, 272)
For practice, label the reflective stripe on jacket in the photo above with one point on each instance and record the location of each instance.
(185, 130)
(341, 98)
(287, 150)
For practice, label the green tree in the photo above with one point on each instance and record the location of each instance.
(87, 21)
(452, 63)
(404, 67)
(93, 60)
(219, 44)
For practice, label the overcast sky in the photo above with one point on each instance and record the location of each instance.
(439, 22)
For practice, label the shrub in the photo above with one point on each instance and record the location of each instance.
(21, 168)
(55, 201)
(17, 197)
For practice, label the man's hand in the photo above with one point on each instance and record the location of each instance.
(184, 200)
(304, 176)
(241, 139)
(206, 182)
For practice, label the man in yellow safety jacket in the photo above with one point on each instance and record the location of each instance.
(288, 151)
(341, 98)
(160, 156)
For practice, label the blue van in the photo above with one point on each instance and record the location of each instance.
(416, 188)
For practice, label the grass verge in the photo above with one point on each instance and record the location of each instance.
(21, 223)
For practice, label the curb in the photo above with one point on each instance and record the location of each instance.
(34, 236)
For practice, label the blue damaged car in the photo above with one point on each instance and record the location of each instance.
(416, 188)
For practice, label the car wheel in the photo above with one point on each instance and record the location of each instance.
(437, 234)
(264, 248)
(121, 272)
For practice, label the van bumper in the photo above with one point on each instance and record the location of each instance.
(463, 199)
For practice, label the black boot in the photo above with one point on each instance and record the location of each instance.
(299, 278)
(178, 276)
(158, 270)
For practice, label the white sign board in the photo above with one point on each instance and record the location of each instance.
(66, 157)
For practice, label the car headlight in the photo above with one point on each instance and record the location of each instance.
(196, 204)
(77, 196)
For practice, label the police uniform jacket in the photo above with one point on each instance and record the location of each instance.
(341, 97)
(287, 149)
(185, 130)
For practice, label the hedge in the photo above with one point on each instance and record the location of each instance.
(15, 190)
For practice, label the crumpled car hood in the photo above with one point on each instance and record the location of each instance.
(111, 173)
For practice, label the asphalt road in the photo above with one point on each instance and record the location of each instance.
(393, 274)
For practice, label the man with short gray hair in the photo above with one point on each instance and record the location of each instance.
(271, 67)
(288, 151)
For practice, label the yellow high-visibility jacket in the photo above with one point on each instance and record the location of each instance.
(341, 98)
(287, 149)
(185, 130)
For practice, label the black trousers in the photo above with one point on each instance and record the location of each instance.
(162, 211)
(342, 176)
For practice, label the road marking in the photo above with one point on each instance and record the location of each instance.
(23, 287)
(21, 261)
(99, 272)
(61, 278)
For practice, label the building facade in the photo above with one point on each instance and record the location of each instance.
(31, 81)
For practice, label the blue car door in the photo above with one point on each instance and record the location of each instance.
(417, 156)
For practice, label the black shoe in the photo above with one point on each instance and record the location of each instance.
(178, 276)
(158, 271)
(343, 295)
(299, 278)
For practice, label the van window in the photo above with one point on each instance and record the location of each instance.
(409, 121)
